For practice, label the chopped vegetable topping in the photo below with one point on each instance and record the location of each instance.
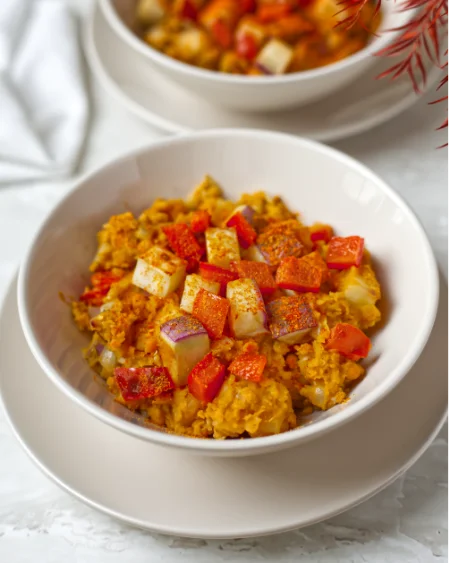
(101, 282)
(299, 275)
(205, 380)
(319, 231)
(256, 359)
(247, 311)
(276, 246)
(143, 383)
(159, 272)
(192, 285)
(215, 273)
(200, 221)
(349, 341)
(258, 271)
(212, 311)
(245, 232)
(291, 319)
(183, 242)
(248, 366)
(222, 247)
(345, 252)
(184, 341)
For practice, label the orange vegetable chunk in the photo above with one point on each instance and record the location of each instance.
(200, 221)
(215, 273)
(248, 366)
(345, 252)
(183, 242)
(349, 341)
(205, 380)
(258, 271)
(299, 275)
(212, 311)
(245, 232)
(319, 231)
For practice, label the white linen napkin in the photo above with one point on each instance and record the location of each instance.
(43, 98)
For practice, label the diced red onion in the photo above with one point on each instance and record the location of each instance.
(108, 359)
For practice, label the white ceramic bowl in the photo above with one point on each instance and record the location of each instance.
(320, 182)
(252, 93)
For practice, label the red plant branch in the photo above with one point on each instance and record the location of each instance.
(419, 40)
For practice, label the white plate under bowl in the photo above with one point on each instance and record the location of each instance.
(362, 105)
(172, 492)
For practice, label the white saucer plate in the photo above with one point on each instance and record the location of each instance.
(189, 495)
(357, 108)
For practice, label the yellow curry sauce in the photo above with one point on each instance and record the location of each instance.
(255, 37)
(218, 319)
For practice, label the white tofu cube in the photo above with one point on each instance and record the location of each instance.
(159, 272)
(222, 247)
(192, 285)
(149, 11)
(247, 311)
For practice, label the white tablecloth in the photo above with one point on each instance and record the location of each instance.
(406, 523)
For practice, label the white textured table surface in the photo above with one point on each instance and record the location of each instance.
(406, 523)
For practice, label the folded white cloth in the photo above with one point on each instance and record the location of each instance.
(43, 98)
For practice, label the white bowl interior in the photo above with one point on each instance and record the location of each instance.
(321, 183)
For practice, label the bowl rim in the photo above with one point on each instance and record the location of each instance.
(137, 44)
(258, 444)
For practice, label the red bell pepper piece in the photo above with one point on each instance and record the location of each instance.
(349, 341)
(143, 383)
(272, 12)
(345, 252)
(246, 46)
(299, 275)
(214, 273)
(319, 231)
(94, 297)
(212, 311)
(205, 380)
(245, 232)
(316, 260)
(248, 366)
(222, 34)
(101, 284)
(247, 6)
(188, 10)
(200, 221)
(183, 242)
(258, 271)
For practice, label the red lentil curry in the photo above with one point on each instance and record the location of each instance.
(218, 319)
(254, 37)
